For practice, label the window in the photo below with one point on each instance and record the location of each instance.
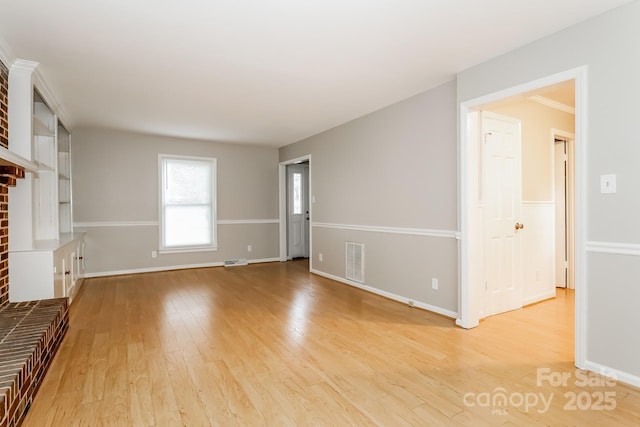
(187, 203)
(297, 193)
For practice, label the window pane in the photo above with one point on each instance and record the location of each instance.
(187, 181)
(297, 193)
(187, 226)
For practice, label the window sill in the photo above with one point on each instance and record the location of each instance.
(187, 250)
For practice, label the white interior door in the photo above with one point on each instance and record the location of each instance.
(502, 204)
(297, 211)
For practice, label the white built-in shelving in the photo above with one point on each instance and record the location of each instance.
(45, 256)
(65, 224)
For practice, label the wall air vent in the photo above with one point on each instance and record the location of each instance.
(235, 262)
(355, 262)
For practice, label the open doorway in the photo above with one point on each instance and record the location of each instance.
(472, 246)
(295, 209)
(526, 196)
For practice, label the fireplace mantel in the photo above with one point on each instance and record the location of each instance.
(9, 158)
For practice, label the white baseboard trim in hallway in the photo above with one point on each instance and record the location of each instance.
(169, 268)
(389, 295)
(614, 374)
(539, 297)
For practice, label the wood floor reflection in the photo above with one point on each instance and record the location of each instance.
(271, 344)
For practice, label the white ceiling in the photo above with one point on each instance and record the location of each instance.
(262, 71)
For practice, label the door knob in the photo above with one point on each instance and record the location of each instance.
(519, 226)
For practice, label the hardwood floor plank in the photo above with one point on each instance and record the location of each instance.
(163, 399)
(88, 414)
(188, 399)
(94, 383)
(338, 410)
(116, 400)
(271, 344)
(140, 405)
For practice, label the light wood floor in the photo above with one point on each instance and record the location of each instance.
(274, 345)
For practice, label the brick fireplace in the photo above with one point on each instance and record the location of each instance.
(30, 332)
(4, 191)
(4, 106)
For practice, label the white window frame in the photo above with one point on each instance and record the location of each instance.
(161, 195)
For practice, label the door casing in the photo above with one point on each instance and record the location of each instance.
(570, 197)
(282, 199)
(470, 285)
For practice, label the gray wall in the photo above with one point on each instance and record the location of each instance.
(608, 45)
(397, 168)
(393, 168)
(115, 183)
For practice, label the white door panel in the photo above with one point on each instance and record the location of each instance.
(502, 200)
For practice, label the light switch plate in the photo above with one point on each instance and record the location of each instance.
(607, 184)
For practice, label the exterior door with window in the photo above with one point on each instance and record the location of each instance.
(298, 210)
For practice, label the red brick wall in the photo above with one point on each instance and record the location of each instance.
(4, 191)
(4, 245)
(8, 176)
(4, 106)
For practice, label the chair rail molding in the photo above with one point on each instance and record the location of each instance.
(392, 230)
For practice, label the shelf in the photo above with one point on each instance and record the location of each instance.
(45, 152)
(51, 244)
(41, 129)
(63, 164)
(43, 167)
(44, 121)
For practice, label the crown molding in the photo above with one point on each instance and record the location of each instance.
(25, 65)
(553, 104)
(9, 59)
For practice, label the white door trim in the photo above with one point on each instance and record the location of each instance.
(282, 198)
(470, 304)
(571, 142)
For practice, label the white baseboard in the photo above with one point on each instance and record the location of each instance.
(263, 260)
(389, 295)
(464, 325)
(169, 268)
(540, 297)
(614, 374)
